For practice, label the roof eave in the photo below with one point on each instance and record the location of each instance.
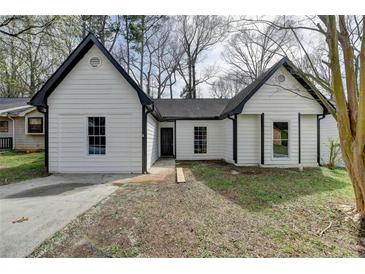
(40, 98)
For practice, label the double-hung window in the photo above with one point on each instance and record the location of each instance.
(96, 135)
(280, 139)
(4, 126)
(200, 140)
(35, 125)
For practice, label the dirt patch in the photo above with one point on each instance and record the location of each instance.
(193, 220)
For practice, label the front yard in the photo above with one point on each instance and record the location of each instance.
(19, 166)
(222, 211)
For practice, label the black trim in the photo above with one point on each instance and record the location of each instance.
(175, 139)
(235, 139)
(44, 110)
(299, 139)
(40, 98)
(46, 141)
(144, 140)
(319, 118)
(28, 124)
(262, 138)
(255, 86)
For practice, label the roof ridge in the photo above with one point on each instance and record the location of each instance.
(39, 98)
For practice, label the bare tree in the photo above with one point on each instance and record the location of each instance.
(345, 40)
(34, 29)
(197, 34)
(164, 55)
(253, 49)
(226, 86)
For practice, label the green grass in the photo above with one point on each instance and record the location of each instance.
(19, 166)
(264, 188)
(294, 206)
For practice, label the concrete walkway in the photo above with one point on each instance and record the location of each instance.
(49, 203)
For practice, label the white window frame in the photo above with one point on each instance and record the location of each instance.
(206, 147)
(273, 158)
(26, 125)
(87, 135)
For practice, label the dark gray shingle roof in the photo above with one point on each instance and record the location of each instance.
(190, 108)
(6, 103)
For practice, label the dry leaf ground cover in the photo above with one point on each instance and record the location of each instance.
(222, 211)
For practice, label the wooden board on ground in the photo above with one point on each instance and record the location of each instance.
(180, 178)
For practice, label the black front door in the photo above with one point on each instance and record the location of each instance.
(167, 143)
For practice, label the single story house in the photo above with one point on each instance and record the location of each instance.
(21, 125)
(97, 119)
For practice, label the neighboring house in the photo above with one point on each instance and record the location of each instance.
(21, 125)
(97, 119)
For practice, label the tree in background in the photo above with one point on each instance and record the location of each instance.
(26, 53)
(197, 34)
(226, 86)
(340, 71)
(250, 50)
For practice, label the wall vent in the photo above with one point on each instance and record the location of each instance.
(95, 62)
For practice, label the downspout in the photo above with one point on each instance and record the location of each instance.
(234, 120)
(144, 137)
(262, 138)
(13, 133)
(319, 118)
(299, 139)
(44, 110)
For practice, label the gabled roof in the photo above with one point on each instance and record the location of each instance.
(170, 109)
(40, 98)
(175, 109)
(8, 103)
(237, 103)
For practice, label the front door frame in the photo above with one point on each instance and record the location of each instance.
(172, 142)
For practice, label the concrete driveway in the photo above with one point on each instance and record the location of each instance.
(49, 203)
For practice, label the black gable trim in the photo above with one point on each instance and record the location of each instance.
(256, 86)
(298, 75)
(40, 98)
(237, 103)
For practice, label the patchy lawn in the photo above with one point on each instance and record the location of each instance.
(222, 211)
(19, 166)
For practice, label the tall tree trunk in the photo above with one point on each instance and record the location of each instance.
(171, 96)
(352, 140)
(142, 52)
(193, 81)
(189, 88)
(128, 43)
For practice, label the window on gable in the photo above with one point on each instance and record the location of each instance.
(35, 125)
(4, 126)
(200, 140)
(96, 135)
(280, 139)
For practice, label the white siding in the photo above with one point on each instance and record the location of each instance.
(329, 132)
(10, 128)
(228, 140)
(24, 140)
(282, 98)
(152, 141)
(185, 140)
(309, 140)
(281, 102)
(248, 139)
(86, 92)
